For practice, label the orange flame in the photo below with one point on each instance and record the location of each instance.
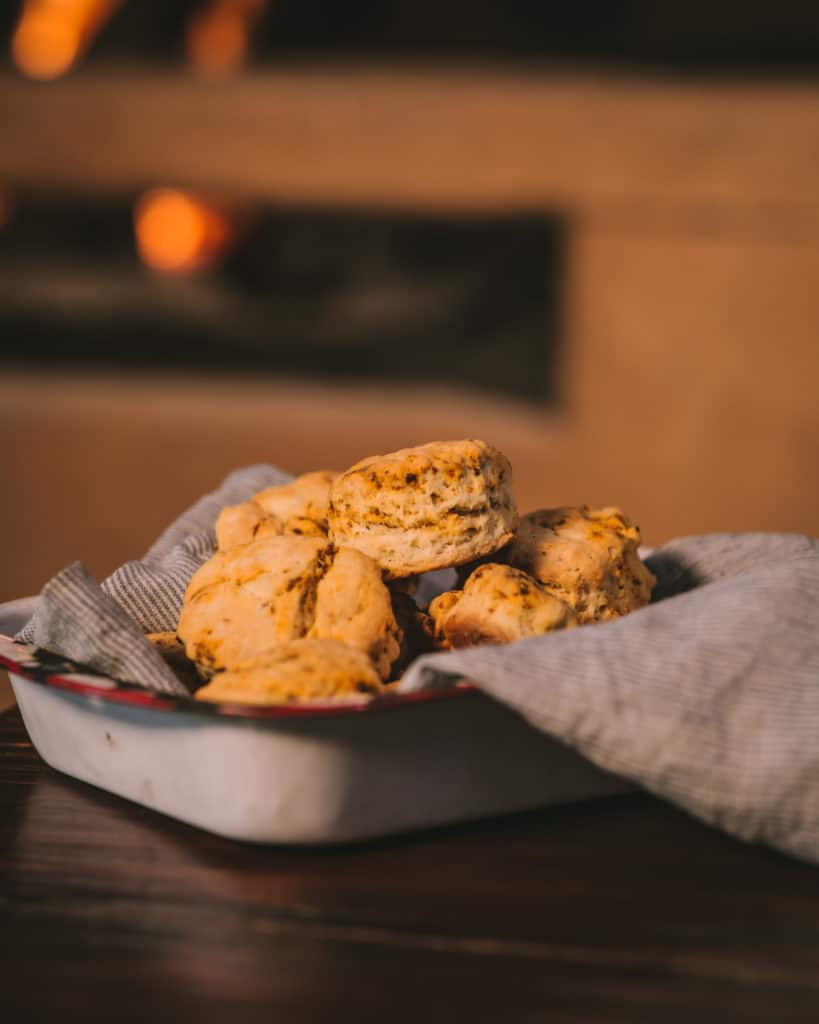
(218, 37)
(179, 233)
(52, 35)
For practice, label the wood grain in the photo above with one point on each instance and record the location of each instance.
(422, 138)
(619, 910)
(6, 692)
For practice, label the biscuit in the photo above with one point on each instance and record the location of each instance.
(498, 605)
(306, 496)
(260, 595)
(587, 557)
(353, 606)
(299, 507)
(307, 669)
(438, 610)
(425, 508)
(250, 598)
(303, 526)
(240, 524)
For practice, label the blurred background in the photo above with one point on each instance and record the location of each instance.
(236, 231)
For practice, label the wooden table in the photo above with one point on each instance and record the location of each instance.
(616, 910)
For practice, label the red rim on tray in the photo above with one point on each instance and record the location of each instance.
(48, 669)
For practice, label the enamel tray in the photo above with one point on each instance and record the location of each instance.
(318, 773)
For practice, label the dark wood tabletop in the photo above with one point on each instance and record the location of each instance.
(621, 909)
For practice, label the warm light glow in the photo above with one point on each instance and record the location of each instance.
(52, 35)
(218, 37)
(178, 233)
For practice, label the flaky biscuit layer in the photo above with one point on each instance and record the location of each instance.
(425, 508)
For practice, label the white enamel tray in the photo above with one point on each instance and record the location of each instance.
(319, 773)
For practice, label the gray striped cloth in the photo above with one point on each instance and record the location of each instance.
(709, 697)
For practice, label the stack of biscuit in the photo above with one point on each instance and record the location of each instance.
(309, 595)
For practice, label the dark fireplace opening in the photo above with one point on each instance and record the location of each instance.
(678, 36)
(325, 294)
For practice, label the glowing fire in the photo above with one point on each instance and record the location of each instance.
(52, 35)
(218, 37)
(179, 233)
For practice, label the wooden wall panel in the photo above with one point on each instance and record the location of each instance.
(426, 138)
(692, 376)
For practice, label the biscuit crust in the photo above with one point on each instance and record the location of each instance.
(588, 557)
(424, 508)
(301, 670)
(498, 605)
(241, 524)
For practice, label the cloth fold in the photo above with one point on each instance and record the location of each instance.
(709, 697)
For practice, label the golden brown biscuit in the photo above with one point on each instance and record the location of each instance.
(250, 598)
(425, 508)
(260, 595)
(352, 606)
(303, 526)
(498, 605)
(300, 670)
(306, 497)
(299, 507)
(437, 612)
(240, 524)
(587, 557)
